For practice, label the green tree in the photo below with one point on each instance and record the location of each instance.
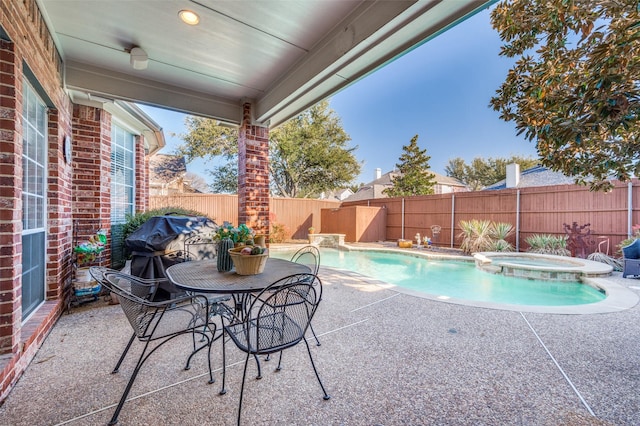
(575, 87)
(308, 154)
(457, 168)
(207, 138)
(225, 177)
(484, 172)
(414, 177)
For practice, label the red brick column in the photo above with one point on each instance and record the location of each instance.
(10, 199)
(91, 191)
(253, 174)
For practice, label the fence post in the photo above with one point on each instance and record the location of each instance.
(402, 224)
(629, 208)
(453, 211)
(518, 220)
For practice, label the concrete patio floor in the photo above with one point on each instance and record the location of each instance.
(387, 358)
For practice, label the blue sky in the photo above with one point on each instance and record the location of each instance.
(439, 91)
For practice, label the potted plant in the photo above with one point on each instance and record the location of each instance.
(228, 237)
(240, 235)
(86, 253)
(312, 230)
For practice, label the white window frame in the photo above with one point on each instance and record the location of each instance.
(116, 128)
(27, 229)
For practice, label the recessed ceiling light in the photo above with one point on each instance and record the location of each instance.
(189, 17)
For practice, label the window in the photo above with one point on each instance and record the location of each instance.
(122, 187)
(122, 174)
(34, 149)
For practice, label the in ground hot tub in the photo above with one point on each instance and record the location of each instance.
(540, 266)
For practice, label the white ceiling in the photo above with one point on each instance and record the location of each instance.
(281, 55)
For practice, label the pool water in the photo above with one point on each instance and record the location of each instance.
(455, 279)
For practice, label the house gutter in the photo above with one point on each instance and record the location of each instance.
(153, 134)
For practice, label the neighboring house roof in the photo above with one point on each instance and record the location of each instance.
(536, 176)
(375, 189)
(338, 194)
(165, 169)
(448, 180)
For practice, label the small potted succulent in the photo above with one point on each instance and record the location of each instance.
(228, 237)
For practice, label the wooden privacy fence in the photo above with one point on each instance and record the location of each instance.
(535, 210)
(297, 215)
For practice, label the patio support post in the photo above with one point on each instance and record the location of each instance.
(253, 173)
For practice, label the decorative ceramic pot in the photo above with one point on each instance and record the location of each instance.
(224, 263)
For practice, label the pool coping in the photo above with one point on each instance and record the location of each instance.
(572, 265)
(619, 298)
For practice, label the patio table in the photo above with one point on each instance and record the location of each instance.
(202, 276)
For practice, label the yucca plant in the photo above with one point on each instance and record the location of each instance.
(502, 245)
(483, 235)
(548, 244)
(597, 256)
(537, 242)
(476, 235)
(500, 231)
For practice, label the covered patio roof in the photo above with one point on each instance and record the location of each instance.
(282, 56)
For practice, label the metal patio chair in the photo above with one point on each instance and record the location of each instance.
(276, 319)
(141, 287)
(309, 255)
(199, 247)
(156, 323)
(435, 234)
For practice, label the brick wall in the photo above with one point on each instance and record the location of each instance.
(29, 50)
(91, 173)
(253, 174)
(10, 201)
(78, 190)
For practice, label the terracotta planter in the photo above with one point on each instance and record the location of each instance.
(405, 243)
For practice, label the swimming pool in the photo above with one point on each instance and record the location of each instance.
(451, 279)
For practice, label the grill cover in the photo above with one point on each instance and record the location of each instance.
(159, 243)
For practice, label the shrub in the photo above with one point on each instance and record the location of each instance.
(278, 233)
(476, 235)
(548, 244)
(500, 231)
(484, 235)
(635, 229)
